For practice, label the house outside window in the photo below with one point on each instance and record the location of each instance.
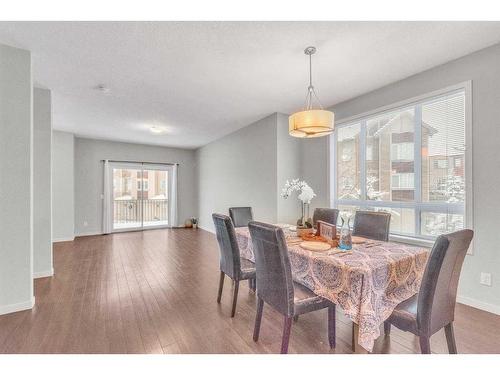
(408, 160)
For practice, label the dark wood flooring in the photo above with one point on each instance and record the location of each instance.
(155, 292)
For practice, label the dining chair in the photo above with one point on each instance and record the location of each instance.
(231, 264)
(241, 216)
(276, 286)
(372, 224)
(434, 306)
(328, 215)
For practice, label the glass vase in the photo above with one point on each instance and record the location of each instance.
(345, 241)
(305, 215)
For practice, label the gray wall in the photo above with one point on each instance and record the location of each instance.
(42, 207)
(248, 168)
(89, 177)
(239, 170)
(16, 178)
(482, 68)
(63, 211)
(288, 167)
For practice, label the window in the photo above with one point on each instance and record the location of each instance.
(402, 151)
(142, 183)
(410, 161)
(441, 163)
(403, 181)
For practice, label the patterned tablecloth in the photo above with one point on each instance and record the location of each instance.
(367, 282)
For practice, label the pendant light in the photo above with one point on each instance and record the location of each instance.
(311, 122)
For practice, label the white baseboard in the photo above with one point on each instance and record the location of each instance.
(494, 309)
(37, 275)
(97, 233)
(21, 306)
(207, 229)
(63, 239)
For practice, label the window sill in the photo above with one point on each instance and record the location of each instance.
(412, 241)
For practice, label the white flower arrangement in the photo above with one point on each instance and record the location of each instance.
(306, 193)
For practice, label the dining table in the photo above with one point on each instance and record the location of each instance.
(367, 282)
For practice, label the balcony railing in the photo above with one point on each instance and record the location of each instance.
(154, 211)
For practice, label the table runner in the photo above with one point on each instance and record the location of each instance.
(367, 282)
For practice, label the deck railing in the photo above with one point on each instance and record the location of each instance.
(129, 211)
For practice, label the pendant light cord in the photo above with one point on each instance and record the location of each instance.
(310, 71)
(310, 89)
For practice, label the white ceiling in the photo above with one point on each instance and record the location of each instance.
(202, 80)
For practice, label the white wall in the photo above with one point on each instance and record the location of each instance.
(89, 177)
(63, 206)
(482, 68)
(42, 206)
(239, 170)
(16, 178)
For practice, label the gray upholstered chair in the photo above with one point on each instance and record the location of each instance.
(231, 264)
(372, 224)
(241, 216)
(434, 306)
(276, 287)
(328, 215)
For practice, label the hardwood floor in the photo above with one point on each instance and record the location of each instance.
(156, 291)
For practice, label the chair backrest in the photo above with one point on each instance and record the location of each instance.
(229, 251)
(241, 216)
(328, 215)
(273, 271)
(372, 224)
(438, 291)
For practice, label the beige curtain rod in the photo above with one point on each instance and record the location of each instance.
(138, 162)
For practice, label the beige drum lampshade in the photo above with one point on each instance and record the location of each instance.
(311, 123)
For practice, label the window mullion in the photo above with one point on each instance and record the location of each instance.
(362, 159)
(333, 170)
(417, 165)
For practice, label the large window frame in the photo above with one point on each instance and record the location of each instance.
(418, 205)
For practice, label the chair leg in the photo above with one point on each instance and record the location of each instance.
(221, 285)
(235, 297)
(331, 326)
(450, 338)
(252, 284)
(286, 334)
(387, 328)
(353, 338)
(258, 319)
(425, 345)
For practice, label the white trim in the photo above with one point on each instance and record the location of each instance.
(416, 241)
(21, 306)
(206, 229)
(96, 233)
(63, 239)
(489, 307)
(469, 178)
(38, 275)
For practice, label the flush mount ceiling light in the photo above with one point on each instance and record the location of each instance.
(311, 122)
(103, 88)
(157, 129)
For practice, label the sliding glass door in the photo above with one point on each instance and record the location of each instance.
(140, 195)
(155, 196)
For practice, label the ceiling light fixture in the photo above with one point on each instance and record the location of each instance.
(311, 122)
(103, 88)
(157, 130)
